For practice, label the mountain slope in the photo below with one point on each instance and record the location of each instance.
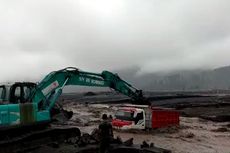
(182, 80)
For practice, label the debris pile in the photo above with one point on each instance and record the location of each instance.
(59, 141)
(89, 143)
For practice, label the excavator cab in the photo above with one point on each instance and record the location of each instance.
(16, 93)
(20, 92)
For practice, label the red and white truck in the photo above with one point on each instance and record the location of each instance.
(144, 117)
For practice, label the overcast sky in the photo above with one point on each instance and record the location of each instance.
(38, 36)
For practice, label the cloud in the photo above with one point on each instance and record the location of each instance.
(40, 36)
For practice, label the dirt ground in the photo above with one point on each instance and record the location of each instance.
(194, 135)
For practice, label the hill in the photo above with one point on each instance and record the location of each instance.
(181, 80)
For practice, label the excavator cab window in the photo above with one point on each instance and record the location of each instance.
(2, 93)
(27, 91)
(17, 94)
(20, 92)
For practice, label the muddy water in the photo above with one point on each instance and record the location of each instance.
(193, 136)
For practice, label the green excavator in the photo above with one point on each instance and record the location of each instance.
(26, 112)
(27, 103)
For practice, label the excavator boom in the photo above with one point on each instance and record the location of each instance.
(50, 88)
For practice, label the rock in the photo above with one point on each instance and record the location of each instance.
(95, 134)
(73, 140)
(189, 135)
(90, 94)
(86, 138)
(220, 130)
(128, 142)
(145, 145)
(54, 145)
(118, 140)
(228, 125)
(151, 145)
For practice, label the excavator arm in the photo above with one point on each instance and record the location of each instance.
(50, 88)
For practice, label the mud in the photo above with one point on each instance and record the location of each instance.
(207, 105)
(204, 125)
(193, 135)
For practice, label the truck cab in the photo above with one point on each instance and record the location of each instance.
(129, 118)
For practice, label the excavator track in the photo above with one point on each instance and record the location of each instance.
(15, 141)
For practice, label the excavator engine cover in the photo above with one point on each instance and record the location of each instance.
(27, 114)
